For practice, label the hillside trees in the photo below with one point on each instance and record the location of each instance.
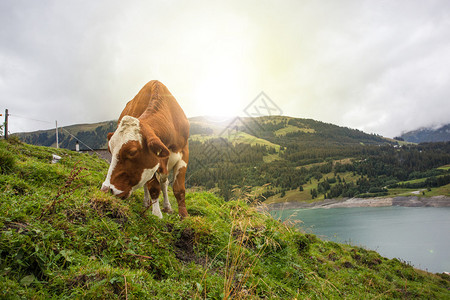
(377, 167)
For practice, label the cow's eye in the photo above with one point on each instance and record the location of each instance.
(132, 153)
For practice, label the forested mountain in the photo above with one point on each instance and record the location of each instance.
(422, 135)
(284, 130)
(281, 154)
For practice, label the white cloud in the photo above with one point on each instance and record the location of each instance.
(378, 66)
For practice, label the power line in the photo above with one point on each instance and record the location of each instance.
(78, 140)
(62, 128)
(22, 117)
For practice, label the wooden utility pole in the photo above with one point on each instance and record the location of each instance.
(6, 124)
(57, 142)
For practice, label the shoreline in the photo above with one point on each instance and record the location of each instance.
(405, 201)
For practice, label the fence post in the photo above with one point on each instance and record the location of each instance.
(57, 140)
(6, 124)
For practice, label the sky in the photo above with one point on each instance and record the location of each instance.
(379, 66)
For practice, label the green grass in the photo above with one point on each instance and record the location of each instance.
(61, 238)
(401, 192)
(422, 192)
(271, 157)
(200, 137)
(341, 161)
(401, 143)
(245, 138)
(445, 168)
(413, 181)
(305, 195)
(437, 191)
(291, 128)
(237, 137)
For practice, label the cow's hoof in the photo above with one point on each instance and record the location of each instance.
(167, 210)
(183, 213)
(159, 215)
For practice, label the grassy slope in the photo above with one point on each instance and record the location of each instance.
(62, 238)
(291, 128)
(239, 137)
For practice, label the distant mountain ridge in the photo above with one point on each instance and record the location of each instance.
(271, 131)
(89, 136)
(281, 130)
(423, 135)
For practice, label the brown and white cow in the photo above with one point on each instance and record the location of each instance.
(151, 140)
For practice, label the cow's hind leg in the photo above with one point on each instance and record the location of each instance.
(178, 183)
(167, 208)
(152, 191)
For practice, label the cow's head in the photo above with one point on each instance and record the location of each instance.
(136, 156)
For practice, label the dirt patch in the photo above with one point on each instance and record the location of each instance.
(110, 208)
(347, 265)
(184, 248)
(76, 216)
(332, 256)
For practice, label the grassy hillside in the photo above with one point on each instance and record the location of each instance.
(61, 238)
(89, 136)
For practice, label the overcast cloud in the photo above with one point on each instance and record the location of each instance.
(379, 66)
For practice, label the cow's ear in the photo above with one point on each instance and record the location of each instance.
(158, 147)
(110, 135)
(153, 142)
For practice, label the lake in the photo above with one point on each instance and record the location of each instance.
(417, 235)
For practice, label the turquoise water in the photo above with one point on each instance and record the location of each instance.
(417, 235)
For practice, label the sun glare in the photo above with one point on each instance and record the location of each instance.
(220, 89)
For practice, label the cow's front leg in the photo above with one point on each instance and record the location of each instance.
(147, 201)
(151, 196)
(178, 183)
(167, 208)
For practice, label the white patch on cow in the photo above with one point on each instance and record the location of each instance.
(180, 164)
(175, 163)
(174, 158)
(115, 190)
(154, 203)
(128, 130)
(167, 207)
(156, 210)
(106, 186)
(147, 174)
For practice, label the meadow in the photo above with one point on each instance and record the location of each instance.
(61, 238)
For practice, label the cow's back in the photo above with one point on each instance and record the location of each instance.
(139, 104)
(154, 105)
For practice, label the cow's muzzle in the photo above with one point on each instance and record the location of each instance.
(113, 190)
